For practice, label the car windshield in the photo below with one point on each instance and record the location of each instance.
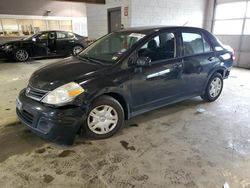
(110, 48)
(30, 36)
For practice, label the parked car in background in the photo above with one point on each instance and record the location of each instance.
(121, 75)
(45, 44)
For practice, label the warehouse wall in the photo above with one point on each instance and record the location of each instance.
(148, 12)
(38, 8)
(168, 12)
(208, 15)
(98, 17)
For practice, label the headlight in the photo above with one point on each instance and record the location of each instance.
(63, 94)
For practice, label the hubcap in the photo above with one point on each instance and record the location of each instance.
(102, 119)
(215, 87)
(77, 50)
(21, 55)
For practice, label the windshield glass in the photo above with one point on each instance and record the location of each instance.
(110, 48)
(30, 36)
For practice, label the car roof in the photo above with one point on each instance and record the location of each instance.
(55, 31)
(41, 32)
(151, 29)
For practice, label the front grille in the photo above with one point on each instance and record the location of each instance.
(35, 94)
(26, 116)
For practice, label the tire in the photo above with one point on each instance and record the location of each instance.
(77, 49)
(214, 88)
(21, 55)
(104, 118)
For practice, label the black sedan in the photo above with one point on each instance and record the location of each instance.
(44, 44)
(121, 75)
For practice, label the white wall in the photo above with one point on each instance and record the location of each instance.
(168, 12)
(98, 17)
(208, 16)
(147, 13)
(38, 8)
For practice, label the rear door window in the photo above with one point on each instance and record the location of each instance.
(61, 35)
(194, 43)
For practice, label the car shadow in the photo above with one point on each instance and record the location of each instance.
(168, 110)
(150, 116)
(6, 60)
(32, 60)
(16, 139)
(165, 111)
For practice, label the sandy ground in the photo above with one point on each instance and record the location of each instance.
(171, 147)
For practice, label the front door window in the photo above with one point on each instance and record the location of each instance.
(159, 48)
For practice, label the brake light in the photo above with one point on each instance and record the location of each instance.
(233, 55)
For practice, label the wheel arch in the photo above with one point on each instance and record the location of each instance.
(122, 101)
(119, 97)
(219, 70)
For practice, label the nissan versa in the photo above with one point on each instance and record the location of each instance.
(121, 75)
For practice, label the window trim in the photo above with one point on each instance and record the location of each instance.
(204, 36)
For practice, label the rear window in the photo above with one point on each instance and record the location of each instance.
(64, 35)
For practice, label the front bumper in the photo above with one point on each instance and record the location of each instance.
(6, 54)
(59, 125)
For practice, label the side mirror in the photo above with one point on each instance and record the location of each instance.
(34, 39)
(143, 62)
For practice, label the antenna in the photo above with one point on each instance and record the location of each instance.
(185, 23)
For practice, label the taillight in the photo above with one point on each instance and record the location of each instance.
(233, 55)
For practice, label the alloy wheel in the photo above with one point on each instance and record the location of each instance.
(21, 55)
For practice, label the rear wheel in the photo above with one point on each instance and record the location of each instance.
(77, 49)
(105, 118)
(21, 55)
(214, 88)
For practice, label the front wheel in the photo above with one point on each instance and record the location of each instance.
(21, 55)
(105, 118)
(214, 88)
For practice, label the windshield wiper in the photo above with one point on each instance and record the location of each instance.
(91, 59)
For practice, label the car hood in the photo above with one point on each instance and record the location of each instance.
(65, 71)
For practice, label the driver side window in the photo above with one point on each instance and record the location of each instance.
(161, 47)
(43, 36)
